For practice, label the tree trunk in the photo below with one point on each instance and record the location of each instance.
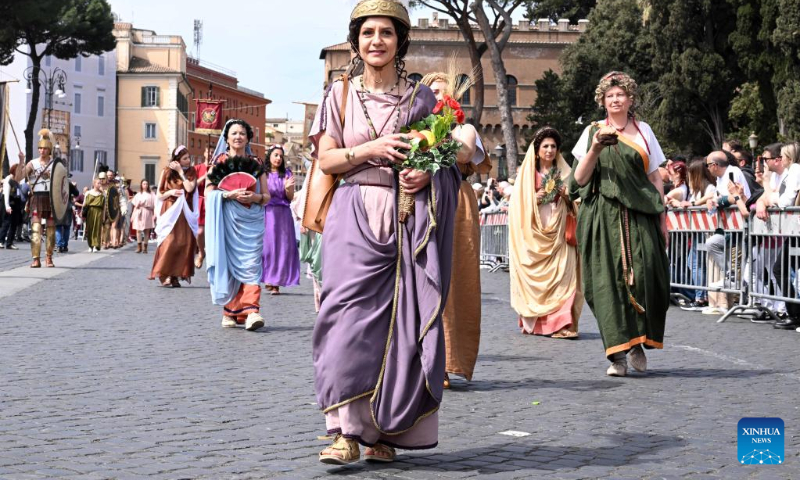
(35, 88)
(477, 67)
(506, 118)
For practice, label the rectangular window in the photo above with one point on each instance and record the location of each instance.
(78, 60)
(77, 103)
(76, 131)
(151, 97)
(101, 106)
(101, 65)
(257, 135)
(192, 122)
(150, 131)
(76, 160)
(150, 173)
(101, 156)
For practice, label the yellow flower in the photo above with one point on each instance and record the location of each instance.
(551, 184)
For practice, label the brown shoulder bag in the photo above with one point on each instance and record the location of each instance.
(322, 186)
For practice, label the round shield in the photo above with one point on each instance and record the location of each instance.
(112, 203)
(59, 190)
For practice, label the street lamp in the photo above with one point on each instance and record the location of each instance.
(502, 173)
(753, 141)
(53, 82)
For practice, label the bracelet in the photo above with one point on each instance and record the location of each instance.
(350, 155)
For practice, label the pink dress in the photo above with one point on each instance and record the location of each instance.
(144, 205)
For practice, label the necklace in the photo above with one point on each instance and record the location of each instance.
(615, 127)
(373, 132)
(390, 90)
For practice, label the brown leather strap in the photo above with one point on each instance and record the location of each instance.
(345, 91)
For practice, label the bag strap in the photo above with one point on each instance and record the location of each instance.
(343, 106)
(329, 194)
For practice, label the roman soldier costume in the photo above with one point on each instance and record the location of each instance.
(38, 172)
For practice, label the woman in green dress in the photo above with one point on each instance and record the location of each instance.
(622, 226)
(93, 211)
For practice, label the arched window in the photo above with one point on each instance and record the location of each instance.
(466, 97)
(511, 81)
(415, 77)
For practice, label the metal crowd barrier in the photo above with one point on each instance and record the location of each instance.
(754, 262)
(494, 240)
(776, 260)
(707, 252)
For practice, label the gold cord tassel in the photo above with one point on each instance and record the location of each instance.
(405, 205)
(627, 258)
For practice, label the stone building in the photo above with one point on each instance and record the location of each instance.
(211, 81)
(532, 50)
(152, 100)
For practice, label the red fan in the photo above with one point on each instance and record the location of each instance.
(237, 180)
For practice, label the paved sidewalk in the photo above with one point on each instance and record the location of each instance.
(106, 375)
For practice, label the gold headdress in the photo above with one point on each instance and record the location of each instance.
(381, 8)
(46, 139)
(456, 84)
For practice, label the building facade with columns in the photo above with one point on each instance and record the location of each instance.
(532, 49)
(209, 81)
(152, 100)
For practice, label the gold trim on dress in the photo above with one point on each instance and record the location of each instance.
(645, 158)
(349, 400)
(632, 343)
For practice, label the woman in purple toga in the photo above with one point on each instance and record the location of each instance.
(280, 255)
(378, 344)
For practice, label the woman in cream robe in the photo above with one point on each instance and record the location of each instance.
(544, 268)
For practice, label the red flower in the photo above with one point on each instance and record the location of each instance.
(460, 117)
(452, 103)
(438, 108)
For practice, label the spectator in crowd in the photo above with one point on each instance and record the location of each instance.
(702, 189)
(732, 190)
(781, 179)
(12, 209)
(23, 230)
(680, 189)
(478, 189)
(781, 187)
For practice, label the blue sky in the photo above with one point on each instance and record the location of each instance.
(273, 45)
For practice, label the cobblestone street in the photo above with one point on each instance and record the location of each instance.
(106, 375)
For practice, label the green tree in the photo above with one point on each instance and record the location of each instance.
(555, 10)
(62, 28)
(614, 40)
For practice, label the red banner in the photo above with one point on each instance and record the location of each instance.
(208, 119)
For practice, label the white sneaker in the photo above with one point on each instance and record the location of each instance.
(618, 369)
(228, 322)
(713, 311)
(254, 322)
(638, 359)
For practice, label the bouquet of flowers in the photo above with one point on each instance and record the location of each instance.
(432, 146)
(551, 183)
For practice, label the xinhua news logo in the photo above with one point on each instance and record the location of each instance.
(761, 441)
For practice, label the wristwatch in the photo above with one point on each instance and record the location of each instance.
(736, 198)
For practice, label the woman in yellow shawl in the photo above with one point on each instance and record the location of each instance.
(544, 267)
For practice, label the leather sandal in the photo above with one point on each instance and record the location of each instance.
(565, 333)
(36, 263)
(176, 283)
(341, 452)
(446, 383)
(380, 453)
(48, 261)
(166, 282)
